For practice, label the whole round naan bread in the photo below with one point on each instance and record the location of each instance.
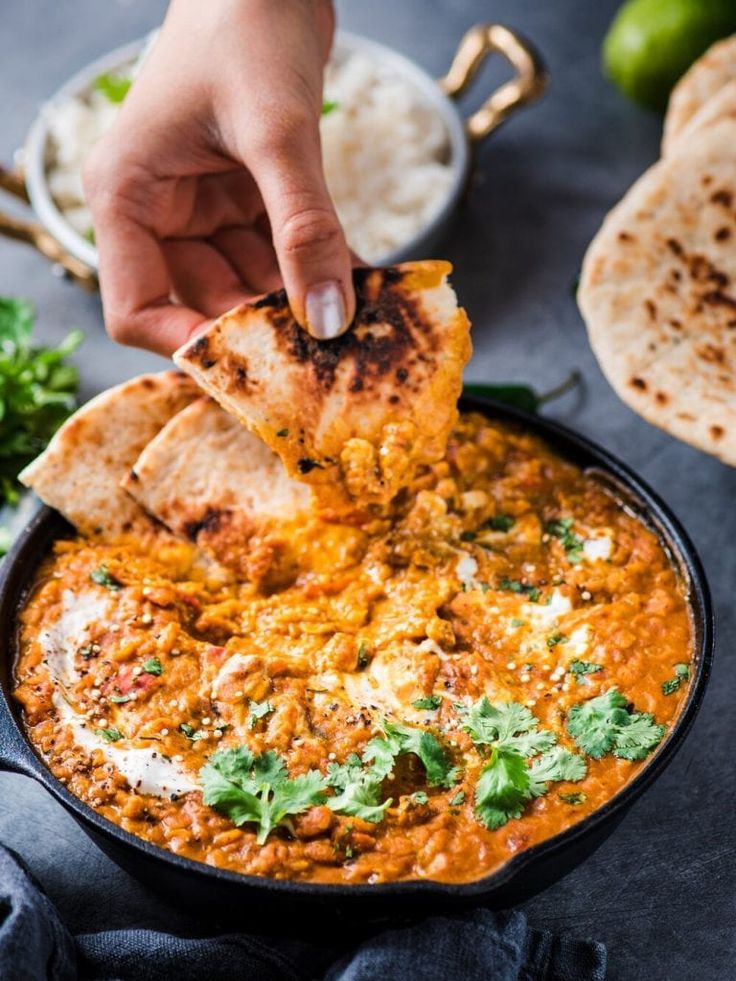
(700, 83)
(719, 106)
(658, 293)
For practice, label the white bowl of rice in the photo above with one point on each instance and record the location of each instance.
(397, 153)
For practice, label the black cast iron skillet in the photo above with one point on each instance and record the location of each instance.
(524, 875)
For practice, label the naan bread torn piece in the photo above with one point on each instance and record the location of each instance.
(720, 106)
(716, 68)
(79, 472)
(210, 480)
(658, 293)
(365, 409)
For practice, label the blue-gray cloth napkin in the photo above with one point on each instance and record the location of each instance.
(35, 946)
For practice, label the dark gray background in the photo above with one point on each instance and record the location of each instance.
(660, 893)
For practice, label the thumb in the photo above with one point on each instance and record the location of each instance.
(310, 245)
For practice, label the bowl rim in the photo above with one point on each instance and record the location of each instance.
(52, 217)
(572, 446)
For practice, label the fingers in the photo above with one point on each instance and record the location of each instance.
(309, 241)
(251, 255)
(202, 278)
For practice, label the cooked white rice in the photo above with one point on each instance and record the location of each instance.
(385, 154)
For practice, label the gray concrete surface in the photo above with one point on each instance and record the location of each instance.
(660, 892)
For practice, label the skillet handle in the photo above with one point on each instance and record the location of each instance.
(16, 755)
(526, 86)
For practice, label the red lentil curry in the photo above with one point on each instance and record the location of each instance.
(442, 688)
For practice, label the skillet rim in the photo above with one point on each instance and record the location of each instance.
(21, 755)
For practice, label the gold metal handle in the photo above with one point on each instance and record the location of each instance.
(33, 233)
(36, 235)
(527, 85)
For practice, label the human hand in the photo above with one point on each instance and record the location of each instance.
(208, 190)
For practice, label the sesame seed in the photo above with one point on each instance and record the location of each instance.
(239, 694)
(566, 686)
(531, 701)
(206, 720)
(525, 677)
(115, 627)
(146, 618)
(164, 732)
(217, 733)
(96, 648)
(585, 594)
(178, 758)
(545, 537)
(137, 671)
(474, 669)
(146, 590)
(540, 686)
(511, 665)
(175, 652)
(331, 756)
(102, 723)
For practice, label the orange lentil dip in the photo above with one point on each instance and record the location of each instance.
(444, 687)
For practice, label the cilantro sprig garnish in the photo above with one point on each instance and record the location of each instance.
(357, 789)
(399, 740)
(37, 391)
(507, 734)
(500, 522)
(153, 666)
(605, 725)
(111, 735)
(257, 790)
(561, 528)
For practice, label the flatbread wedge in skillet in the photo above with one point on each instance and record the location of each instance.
(79, 472)
(658, 293)
(700, 83)
(366, 408)
(210, 480)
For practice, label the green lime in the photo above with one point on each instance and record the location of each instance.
(652, 42)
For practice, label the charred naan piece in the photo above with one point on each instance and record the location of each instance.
(210, 480)
(365, 409)
(700, 83)
(79, 472)
(658, 293)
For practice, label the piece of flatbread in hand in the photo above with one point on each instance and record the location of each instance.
(210, 480)
(701, 81)
(79, 472)
(658, 293)
(366, 408)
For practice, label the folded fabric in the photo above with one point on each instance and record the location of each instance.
(35, 946)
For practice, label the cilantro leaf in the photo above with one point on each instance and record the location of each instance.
(111, 735)
(153, 666)
(579, 669)
(431, 703)
(573, 797)
(561, 528)
(507, 724)
(358, 790)
(258, 710)
(556, 764)
(556, 638)
(419, 797)
(257, 790)
(458, 799)
(328, 106)
(603, 725)
(399, 740)
(502, 789)
(113, 87)
(195, 735)
(103, 577)
(501, 522)
(517, 586)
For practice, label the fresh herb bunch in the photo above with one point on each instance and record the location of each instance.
(37, 392)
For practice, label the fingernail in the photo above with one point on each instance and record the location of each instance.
(325, 310)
